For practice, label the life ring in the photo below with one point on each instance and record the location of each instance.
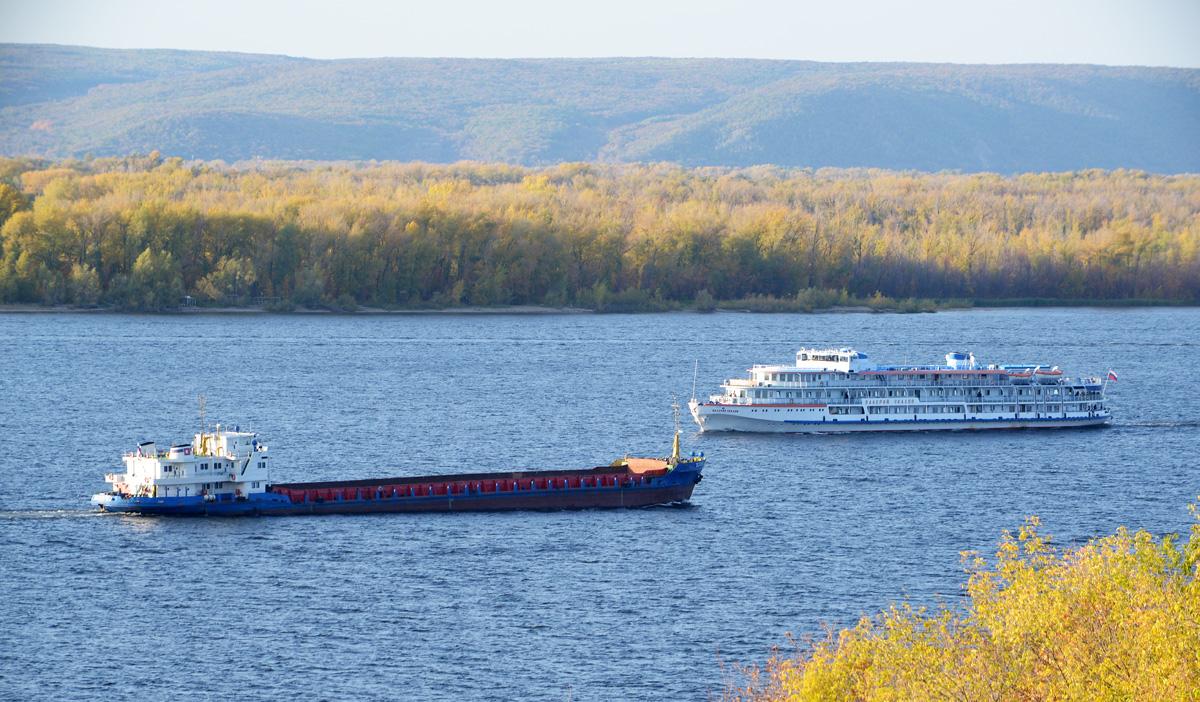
(232, 476)
(237, 492)
(203, 493)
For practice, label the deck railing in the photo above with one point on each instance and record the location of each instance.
(896, 383)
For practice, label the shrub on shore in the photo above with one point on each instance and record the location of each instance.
(1116, 619)
(811, 299)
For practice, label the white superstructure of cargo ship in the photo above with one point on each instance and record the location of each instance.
(841, 390)
(216, 466)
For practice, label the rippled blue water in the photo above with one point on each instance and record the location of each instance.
(784, 533)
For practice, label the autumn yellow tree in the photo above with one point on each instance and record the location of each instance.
(1116, 619)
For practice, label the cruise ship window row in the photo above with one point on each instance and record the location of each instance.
(982, 390)
(856, 394)
(1045, 404)
(917, 409)
(891, 377)
(861, 381)
(979, 409)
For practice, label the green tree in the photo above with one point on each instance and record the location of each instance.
(11, 202)
(156, 282)
(84, 285)
(310, 287)
(229, 282)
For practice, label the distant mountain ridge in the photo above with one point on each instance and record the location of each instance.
(59, 101)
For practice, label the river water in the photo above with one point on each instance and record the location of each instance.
(785, 532)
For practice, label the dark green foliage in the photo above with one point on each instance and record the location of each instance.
(63, 101)
(634, 300)
(84, 286)
(11, 202)
(155, 283)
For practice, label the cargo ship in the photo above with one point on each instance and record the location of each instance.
(228, 473)
(842, 390)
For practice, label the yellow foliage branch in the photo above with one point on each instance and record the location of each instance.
(1115, 619)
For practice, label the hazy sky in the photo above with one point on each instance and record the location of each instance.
(1145, 32)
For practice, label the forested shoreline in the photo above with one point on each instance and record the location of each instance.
(143, 232)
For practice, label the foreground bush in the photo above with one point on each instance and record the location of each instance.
(1117, 619)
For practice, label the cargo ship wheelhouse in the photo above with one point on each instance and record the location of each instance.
(217, 469)
(842, 390)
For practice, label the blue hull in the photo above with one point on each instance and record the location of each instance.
(198, 506)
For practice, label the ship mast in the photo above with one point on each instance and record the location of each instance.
(675, 448)
(203, 438)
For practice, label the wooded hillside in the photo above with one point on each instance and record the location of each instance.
(139, 232)
(68, 101)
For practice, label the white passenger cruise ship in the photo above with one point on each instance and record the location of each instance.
(840, 390)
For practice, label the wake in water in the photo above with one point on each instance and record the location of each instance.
(49, 513)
